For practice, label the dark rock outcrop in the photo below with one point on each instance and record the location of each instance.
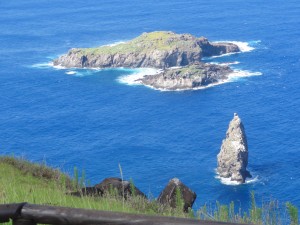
(88, 191)
(233, 156)
(116, 185)
(110, 186)
(168, 195)
(159, 49)
(216, 48)
(193, 76)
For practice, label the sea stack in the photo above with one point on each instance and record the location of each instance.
(233, 156)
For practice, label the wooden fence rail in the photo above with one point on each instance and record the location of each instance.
(30, 214)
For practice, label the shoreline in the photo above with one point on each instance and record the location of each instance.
(228, 182)
(232, 77)
(139, 73)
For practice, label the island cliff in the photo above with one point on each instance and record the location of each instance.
(161, 50)
(233, 157)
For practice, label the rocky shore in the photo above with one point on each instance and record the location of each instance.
(189, 77)
(175, 190)
(161, 50)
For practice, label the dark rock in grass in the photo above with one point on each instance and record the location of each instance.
(88, 191)
(110, 186)
(175, 190)
(114, 185)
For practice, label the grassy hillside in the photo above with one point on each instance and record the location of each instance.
(22, 181)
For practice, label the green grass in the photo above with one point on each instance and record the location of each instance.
(20, 182)
(191, 71)
(23, 181)
(158, 41)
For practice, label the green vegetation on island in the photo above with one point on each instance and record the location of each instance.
(160, 50)
(158, 40)
(23, 181)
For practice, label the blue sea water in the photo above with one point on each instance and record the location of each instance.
(94, 122)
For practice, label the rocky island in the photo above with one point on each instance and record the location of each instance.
(233, 156)
(161, 50)
(196, 75)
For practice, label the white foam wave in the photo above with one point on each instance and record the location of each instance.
(189, 89)
(71, 72)
(240, 74)
(231, 78)
(132, 79)
(47, 65)
(59, 67)
(252, 180)
(42, 65)
(225, 63)
(255, 42)
(243, 46)
(228, 181)
(219, 56)
(175, 67)
(83, 72)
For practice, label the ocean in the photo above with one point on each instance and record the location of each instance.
(93, 120)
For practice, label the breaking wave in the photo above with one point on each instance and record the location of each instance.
(228, 181)
(71, 72)
(42, 65)
(47, 65)
(132, 79)
(240, 74)
(243, 46)
(233, 77)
